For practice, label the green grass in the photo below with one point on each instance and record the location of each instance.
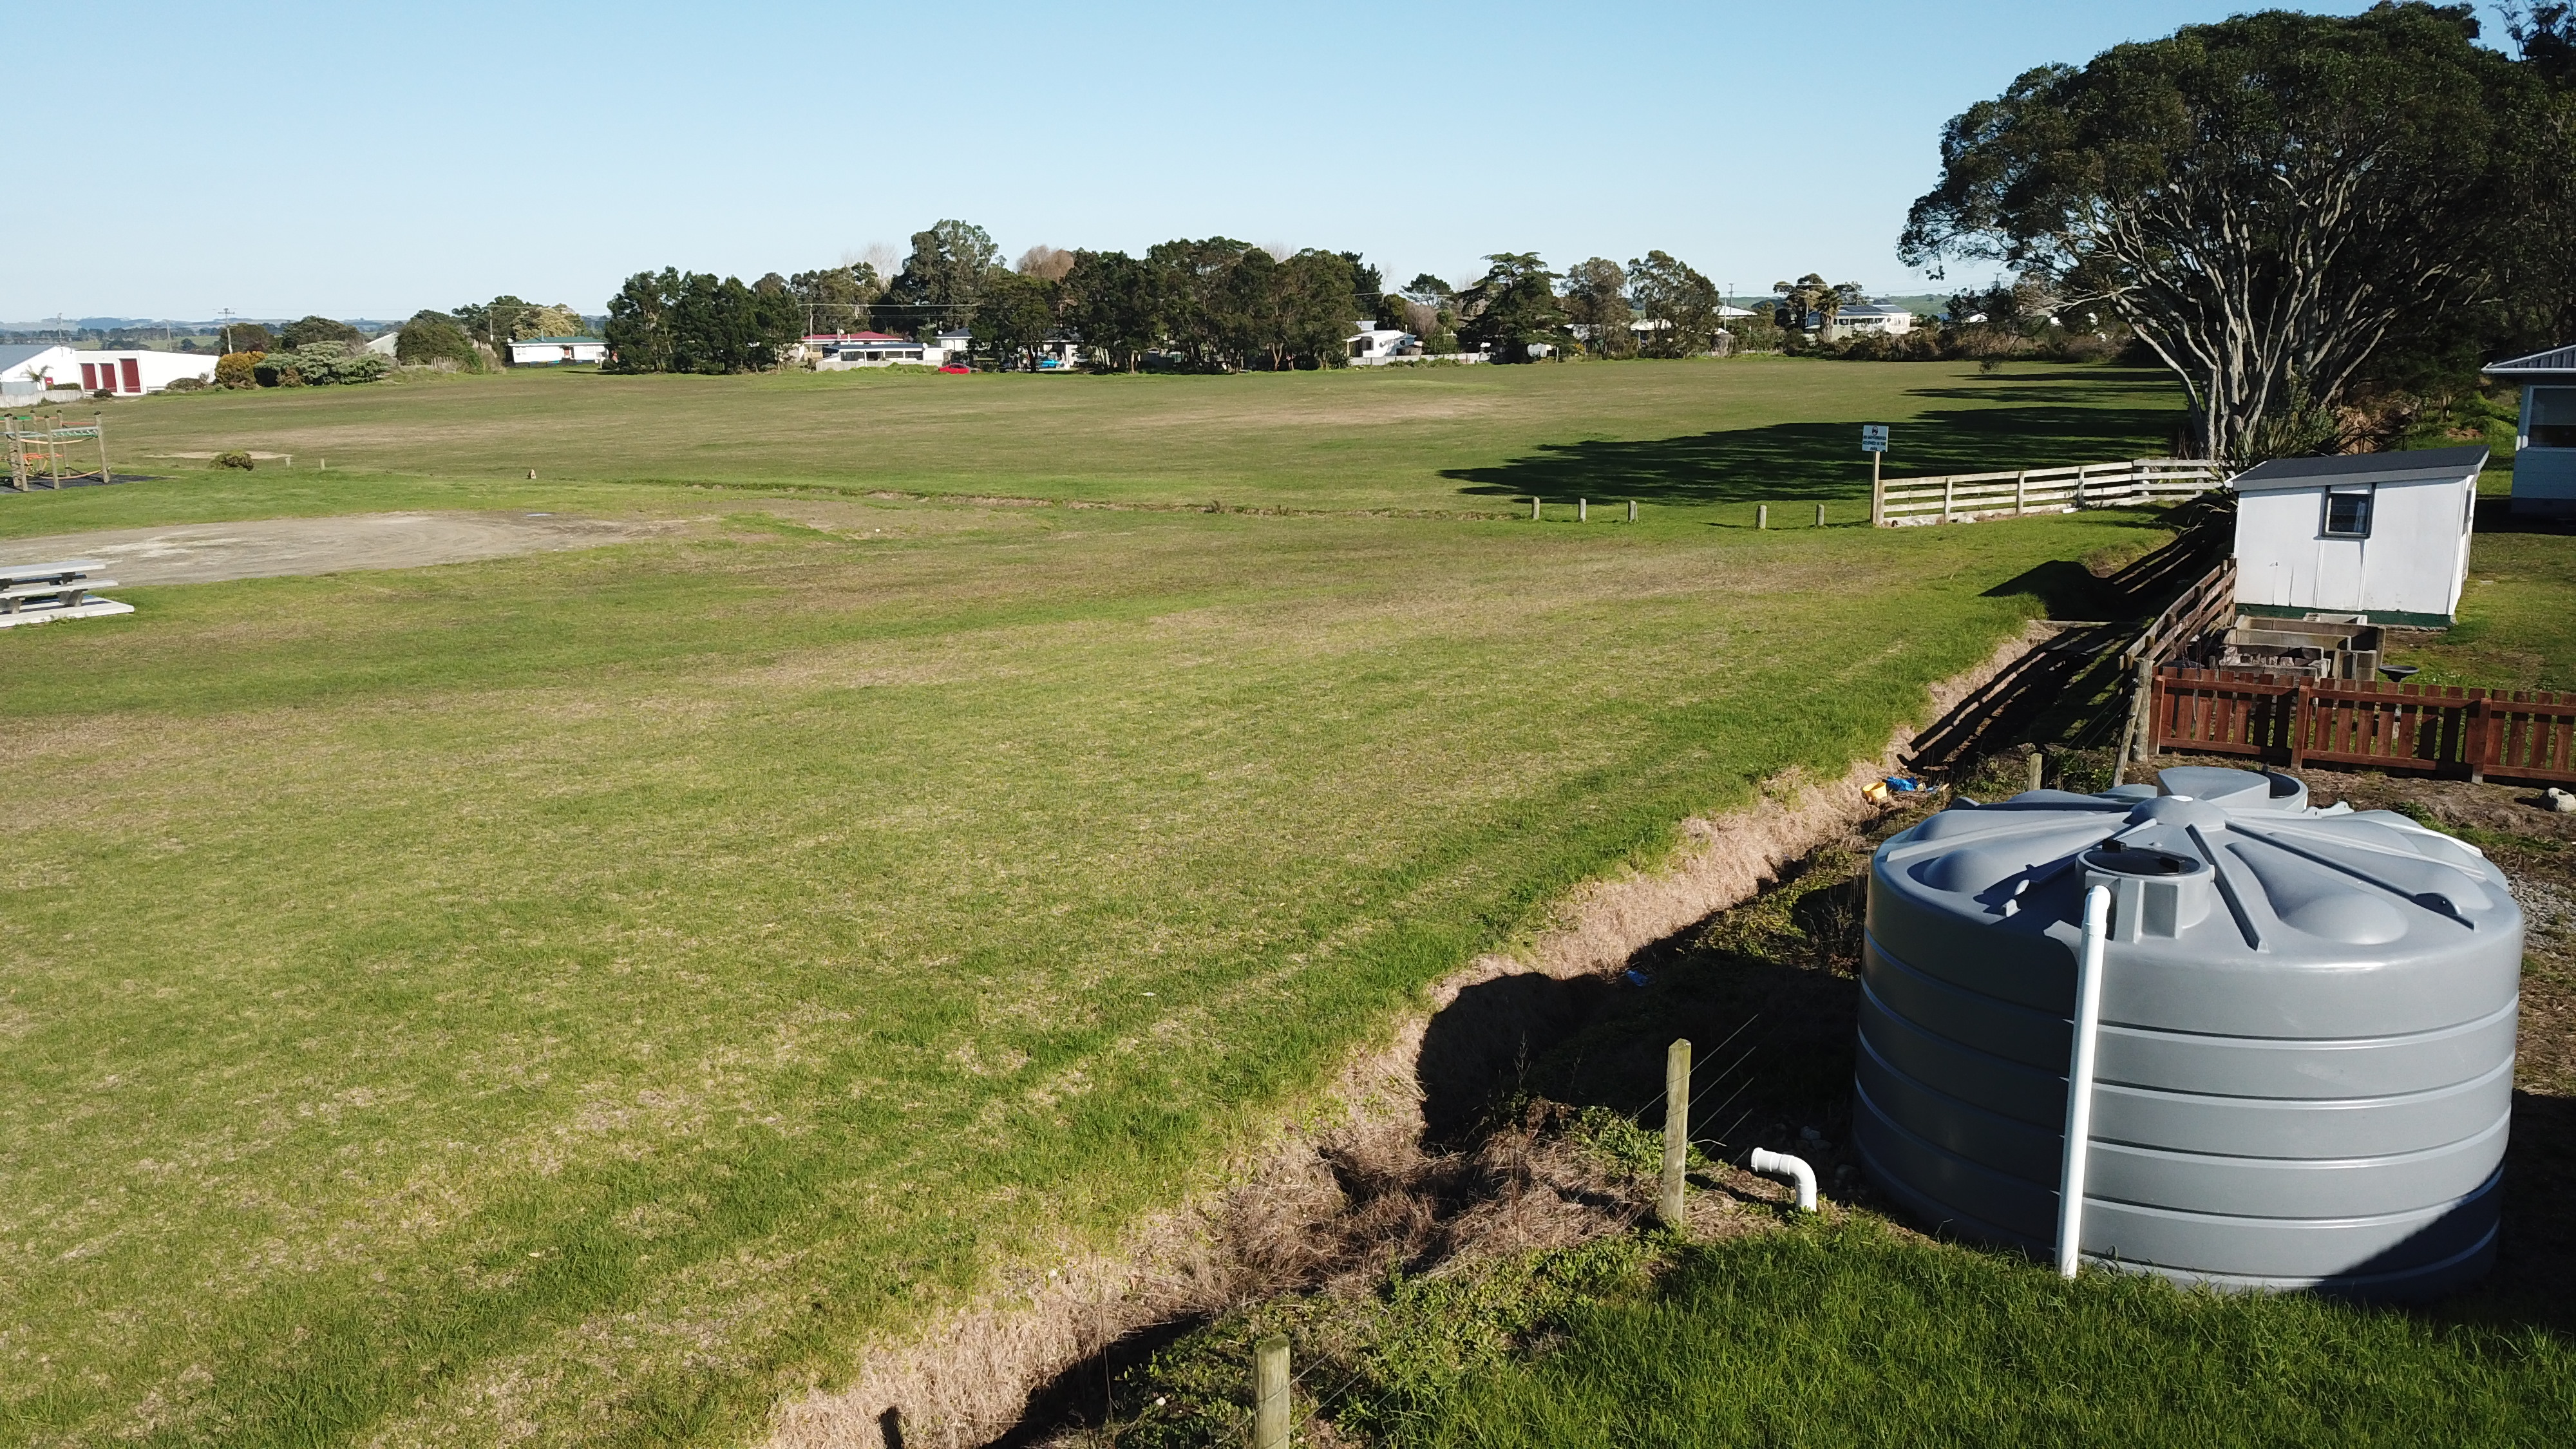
(1460, 439)
(589, 994)
(2516, 630)
(1846, 1334)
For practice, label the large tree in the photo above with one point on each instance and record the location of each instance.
(2263, 199)
(1679, 303)
(1111, 303)
(941, 280)
(1513, 306)
(835, 299)
(1596, 301)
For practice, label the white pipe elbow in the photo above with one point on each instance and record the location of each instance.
(1781, 1164)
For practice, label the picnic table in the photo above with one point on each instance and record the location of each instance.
(35, 593)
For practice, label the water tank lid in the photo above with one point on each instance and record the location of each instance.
(2280, 877)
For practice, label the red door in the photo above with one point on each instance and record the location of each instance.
(133, 374)
(89, 377)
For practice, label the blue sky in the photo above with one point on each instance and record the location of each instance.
(373, 159)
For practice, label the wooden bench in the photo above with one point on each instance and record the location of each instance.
(37, 592)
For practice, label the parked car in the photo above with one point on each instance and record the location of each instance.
(956, 367)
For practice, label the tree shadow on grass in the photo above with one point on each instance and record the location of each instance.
(1815, 462)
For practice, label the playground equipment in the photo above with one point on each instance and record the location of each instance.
(45, 451)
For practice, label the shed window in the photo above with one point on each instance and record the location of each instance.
(2552, 423)
(2348, 513)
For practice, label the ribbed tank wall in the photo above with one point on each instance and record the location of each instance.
(2305, 1065)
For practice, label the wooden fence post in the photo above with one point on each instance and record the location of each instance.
(2021, 492)
(2299, 722)
(2038, 768)
(1820, 515)
(1761, 515)
(1677, 1077)
(2079, 486)
(2473, 743)
(1270, 1393)
(1949, 493)
(1534, 507)
(1877, 495)
(1632, 510)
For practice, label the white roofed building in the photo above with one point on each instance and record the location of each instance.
(2544, 457)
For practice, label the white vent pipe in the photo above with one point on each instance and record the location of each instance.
(1781, 1164)
(2079, 1081)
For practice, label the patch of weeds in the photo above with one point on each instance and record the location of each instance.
(1621, 1143)
(1375, 1367)
(2483, 839)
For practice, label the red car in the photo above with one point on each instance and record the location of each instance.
(956, 367)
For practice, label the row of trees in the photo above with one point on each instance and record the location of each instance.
(1213, 304)
(2287, 210)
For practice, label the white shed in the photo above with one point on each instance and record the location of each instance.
(2544, 455)
(27, 370)
(2378, 538)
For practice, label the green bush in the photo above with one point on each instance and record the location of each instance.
(319, 364)
(234, 459)
(184, 384)
(433, 341)
(306, 331)
(238, 369)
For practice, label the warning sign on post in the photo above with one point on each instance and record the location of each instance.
(1873, 437)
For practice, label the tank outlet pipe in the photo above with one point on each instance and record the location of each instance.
(2079, 1081)
(1781, 1164)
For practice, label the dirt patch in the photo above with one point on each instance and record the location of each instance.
(1369, 1167)
(198, 553)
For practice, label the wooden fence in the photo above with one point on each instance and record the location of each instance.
(2519, 735)
(1967, 497)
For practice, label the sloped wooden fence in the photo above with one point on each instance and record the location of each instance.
(2439, 729)
(1967, 497)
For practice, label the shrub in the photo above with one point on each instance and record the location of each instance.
(234, 459)
(251, 337)
(319, 364)
(238, 369)
(428, 341)
(184, 384)
(305, 331)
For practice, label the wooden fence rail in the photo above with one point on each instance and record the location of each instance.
(1967, 497)
(2443, 729)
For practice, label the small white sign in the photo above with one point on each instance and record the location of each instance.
(1873, 437)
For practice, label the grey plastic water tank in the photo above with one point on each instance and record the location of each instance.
(2305, 1067)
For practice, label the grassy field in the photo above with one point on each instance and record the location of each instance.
(584, 995)
(1452, 439)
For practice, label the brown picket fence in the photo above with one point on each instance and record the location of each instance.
(2296, 721)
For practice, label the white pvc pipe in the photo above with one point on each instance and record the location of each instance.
(1781, 1164)
(2079, 1081)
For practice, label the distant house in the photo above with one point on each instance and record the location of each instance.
(1861, 319)
(1374, 346)
(384, 346)
(840, 351)
(2544, 455)
(555, 351)
(2378, 538)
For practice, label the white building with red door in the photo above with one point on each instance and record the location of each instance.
(139, 371)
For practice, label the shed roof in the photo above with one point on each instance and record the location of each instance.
(556, 341)
(2557, 361)
(2423, 465)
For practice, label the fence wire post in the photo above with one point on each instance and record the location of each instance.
(1270, 1393)
(1761, 515)
(1677, 1074)
(2038, 767)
